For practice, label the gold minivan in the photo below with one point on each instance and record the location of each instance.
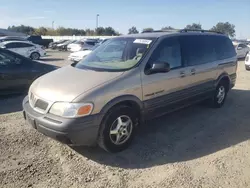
(127, 80)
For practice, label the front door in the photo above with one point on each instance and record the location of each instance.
(164, 92)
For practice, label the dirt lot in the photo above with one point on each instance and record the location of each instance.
(195, 147)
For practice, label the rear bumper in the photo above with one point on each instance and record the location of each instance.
(77, 131)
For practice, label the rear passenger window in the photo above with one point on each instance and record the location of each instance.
(197, 49)
(168, 51)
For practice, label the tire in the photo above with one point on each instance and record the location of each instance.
(35, 56)
(219, 99)
(109, 130)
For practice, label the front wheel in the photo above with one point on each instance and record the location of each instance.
(118, 129)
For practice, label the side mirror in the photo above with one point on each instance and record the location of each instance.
(159, 68)
(239, 48)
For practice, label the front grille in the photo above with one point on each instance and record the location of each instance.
(40, 104)
(37, 103)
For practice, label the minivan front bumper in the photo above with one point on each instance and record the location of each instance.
(72, 131)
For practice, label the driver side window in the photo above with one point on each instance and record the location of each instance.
(168, 51)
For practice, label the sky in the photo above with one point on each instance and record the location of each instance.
(123, 14)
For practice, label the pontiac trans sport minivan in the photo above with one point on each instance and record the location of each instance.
(127, 80)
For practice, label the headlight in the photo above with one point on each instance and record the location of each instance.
(71, 110)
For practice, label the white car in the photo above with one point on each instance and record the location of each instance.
(26, 49)
(241, 50)
(78, 56)
(247, 62)
(76, 46)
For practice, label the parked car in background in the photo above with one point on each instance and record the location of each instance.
(63, 46)
(82, 45)
(7, 38)
(247, 62)
(53, 45)
(36, 39)
(18, 72)
(27, 49)
(78, 56)
(128, 80)
(241, 49)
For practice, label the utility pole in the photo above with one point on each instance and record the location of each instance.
(97, 16)
(53, 25)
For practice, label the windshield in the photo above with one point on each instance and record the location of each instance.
(116, 54)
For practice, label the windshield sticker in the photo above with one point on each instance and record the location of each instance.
(142, 41)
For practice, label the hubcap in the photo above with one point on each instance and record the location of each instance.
(221, 94)
(35, 56)
(121, 129)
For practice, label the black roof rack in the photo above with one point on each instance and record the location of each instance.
(184, 30)
(199, 30)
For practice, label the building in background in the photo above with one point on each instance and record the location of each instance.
(6, 32)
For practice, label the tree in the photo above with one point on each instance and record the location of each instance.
(22, 29)
(41, 31)
(90, 32)
(149, 29)
(194, 26)
(109, 31)
(226, 28)
(167, 28)
(100, 31)
(133, 30)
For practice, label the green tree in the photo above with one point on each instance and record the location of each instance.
(22, 29)
(149, 29)
(52, 32)
(133, 30)
(195, 26)
(100, 31)
(167, 28)
(90, 32)
(41, 31)
(109, 31)
(226, 28)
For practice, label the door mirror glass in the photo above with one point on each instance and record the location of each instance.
(239, 48)
(159, 68)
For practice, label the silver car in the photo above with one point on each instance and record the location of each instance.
(126, 81)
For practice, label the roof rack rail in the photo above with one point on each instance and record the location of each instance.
(183, 30)
(199, 30)
(155, 31)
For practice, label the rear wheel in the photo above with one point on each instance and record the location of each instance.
(35, 56)
(118, 129)
(220, 95)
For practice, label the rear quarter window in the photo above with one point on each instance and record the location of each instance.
(224, 47)
(201, 49)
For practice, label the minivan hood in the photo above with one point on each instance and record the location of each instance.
(66, 83)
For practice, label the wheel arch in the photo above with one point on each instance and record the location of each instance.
(128, 100)
(225, 78)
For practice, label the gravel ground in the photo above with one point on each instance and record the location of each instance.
(195, 147)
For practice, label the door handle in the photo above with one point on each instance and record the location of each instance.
(193, 71)
(182, 74)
